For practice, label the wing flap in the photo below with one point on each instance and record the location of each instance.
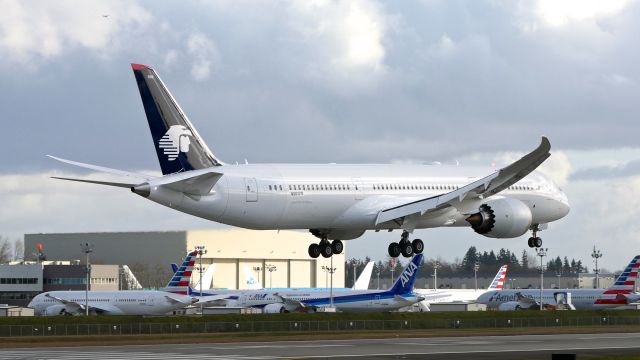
(468, 195)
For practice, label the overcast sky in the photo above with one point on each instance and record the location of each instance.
(327, 81)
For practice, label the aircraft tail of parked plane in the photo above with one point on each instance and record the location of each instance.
(362, 283)
(180, 282)
(621, 291)
(498, 281)
(404, 283)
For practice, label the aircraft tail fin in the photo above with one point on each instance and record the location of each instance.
(405, 281)
(625, 284)
(252, 283)
(498, 281)
(178, 145)
(179, 283)
(362, 282)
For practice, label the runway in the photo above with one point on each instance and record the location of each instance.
(477, 347)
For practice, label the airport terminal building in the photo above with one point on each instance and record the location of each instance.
(231, 251)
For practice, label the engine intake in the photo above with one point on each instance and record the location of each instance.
(501, 218)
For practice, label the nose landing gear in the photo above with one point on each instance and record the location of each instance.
(405, 247)
(534, 240)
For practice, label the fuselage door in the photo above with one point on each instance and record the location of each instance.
(358, 188)
(251, 187)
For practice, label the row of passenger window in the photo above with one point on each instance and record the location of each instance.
(339, 187)
(313, 187)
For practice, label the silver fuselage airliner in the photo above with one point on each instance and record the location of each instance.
(336, 201)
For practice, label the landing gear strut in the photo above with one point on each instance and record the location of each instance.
(405, 247)
(326, 248)
(534, 240)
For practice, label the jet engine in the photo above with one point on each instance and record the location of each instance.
(274, 309)
(54, 310)
(501, 218)
(509, 306)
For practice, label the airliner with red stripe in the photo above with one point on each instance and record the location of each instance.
(620, 294)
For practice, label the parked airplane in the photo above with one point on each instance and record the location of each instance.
(620, 294)
(432, 296)
(334, 201)
(277, 301)
(121, 302)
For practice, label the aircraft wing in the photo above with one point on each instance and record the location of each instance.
(178, 301)
(526, 301)
(221, 299)
(77, 307)
(467, 196)
(291, 303)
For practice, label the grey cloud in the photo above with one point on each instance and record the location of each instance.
(631, 168)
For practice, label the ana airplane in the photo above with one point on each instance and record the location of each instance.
(620, 294)
(287, 300)
(134, 302)
(335, 202)
(432, 296)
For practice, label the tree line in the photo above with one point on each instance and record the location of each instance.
(487, 263)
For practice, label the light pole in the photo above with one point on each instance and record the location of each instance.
(392, 262)
(436, 265)
(355, 264)
(542, 253)
(87, 248)
(476, 267)
(201, 251)
(559, 274)
(596, 254)
(271, 268)
(331, 271)
(378, 272)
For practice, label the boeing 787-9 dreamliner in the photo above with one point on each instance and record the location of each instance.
(335, 202)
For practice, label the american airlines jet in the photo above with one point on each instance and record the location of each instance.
(619, 295)
(335, 202)
(136, 302)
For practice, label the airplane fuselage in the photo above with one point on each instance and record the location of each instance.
(108, 302)
(344, 200)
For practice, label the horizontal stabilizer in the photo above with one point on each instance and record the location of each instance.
(104, 169)
(107, 183)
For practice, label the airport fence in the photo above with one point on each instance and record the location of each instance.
(140, 328)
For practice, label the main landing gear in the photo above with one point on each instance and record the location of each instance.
(326, 248)
(405, 247)
(534, 241)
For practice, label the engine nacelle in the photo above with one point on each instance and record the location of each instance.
(274, 309)
(509, 306)
(501, 218)
(54, 310)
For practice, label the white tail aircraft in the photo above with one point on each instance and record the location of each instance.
(335, 201)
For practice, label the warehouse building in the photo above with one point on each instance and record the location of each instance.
(275, 258)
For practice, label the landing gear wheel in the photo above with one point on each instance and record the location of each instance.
(530, 242)
(314, 250)
(394, 250)
(337, 246)
(406, 249)
(537, 242)
(418, 246)
(325, 249)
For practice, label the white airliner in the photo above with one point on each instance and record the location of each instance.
(335, 201)
(121, 302)
(433, 296)
(287, 300)
(619, 295)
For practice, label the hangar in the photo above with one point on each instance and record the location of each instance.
(149, 254)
